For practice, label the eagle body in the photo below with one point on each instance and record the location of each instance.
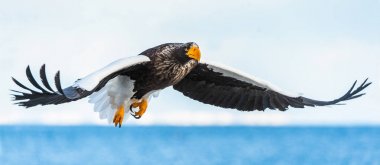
(162, 71)
(126, 85)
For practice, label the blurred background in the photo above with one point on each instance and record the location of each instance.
(316, 48)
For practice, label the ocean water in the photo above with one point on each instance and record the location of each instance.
(189, 145)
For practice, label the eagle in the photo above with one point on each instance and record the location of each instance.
(126, 85)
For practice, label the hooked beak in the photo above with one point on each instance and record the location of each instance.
(194, 52)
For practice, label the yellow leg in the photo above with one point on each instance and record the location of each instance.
(119, 116)
(135, 103)
(143, 105)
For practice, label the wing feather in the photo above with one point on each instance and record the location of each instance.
(44, 78)
(265, 101)
(226, 87)
(91, 81)
(81, 88)
(33, 81)
(258, 102)
(58, 83)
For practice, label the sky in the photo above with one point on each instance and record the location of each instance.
(316, 48)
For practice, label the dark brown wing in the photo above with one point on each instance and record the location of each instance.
(42, 97)
(46, 95)
(222, 87)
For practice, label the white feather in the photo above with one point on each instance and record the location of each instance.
(104, 114)
(91, 81)
(110, 114)
(234, 73)
(100, 105)
(115, 93)
(96, 96)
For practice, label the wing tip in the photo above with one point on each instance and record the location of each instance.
(352, 93)
(30, 97)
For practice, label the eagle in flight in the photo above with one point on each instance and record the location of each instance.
(126, 85)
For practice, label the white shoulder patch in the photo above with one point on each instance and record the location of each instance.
(91, 81)
(234, 73)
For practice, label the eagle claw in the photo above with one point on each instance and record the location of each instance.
(119, 116)
(142, 108)
(131, 109)
(134, 113)
(136, 116)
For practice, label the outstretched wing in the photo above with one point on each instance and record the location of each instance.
(226, 87)
(81, 88)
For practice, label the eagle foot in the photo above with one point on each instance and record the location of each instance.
(142, 108)
(119, 116)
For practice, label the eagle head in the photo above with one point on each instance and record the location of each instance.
(192, 51)
(188, 51)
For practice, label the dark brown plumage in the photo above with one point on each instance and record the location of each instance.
(171, 64)
(205, 85)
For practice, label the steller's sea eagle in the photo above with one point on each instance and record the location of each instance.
(130, 82)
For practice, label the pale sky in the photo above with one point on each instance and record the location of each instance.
(317, 48)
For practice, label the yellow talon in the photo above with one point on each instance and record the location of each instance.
(143, 105)
(119, 116)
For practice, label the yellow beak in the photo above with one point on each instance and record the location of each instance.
(194, 52)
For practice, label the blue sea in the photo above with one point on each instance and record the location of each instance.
(188, 145)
